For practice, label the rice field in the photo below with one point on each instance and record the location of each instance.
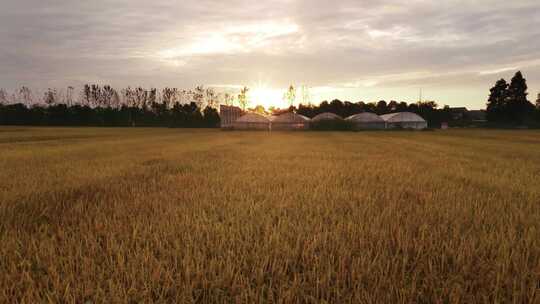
(91, 215)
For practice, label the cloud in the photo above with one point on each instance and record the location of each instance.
(498, 71)
(364, 46)
(236, 39)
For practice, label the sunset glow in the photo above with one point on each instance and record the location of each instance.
(266, 97)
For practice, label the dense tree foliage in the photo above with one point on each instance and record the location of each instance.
(538, 108)
(496, 107)
(104, 106)
(508, 104)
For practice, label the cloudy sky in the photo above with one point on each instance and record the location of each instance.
(350, 49)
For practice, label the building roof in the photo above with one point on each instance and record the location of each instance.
(290, 117)
(458, 109)
(326, 116)
(253, 118)
(229, 108)
(478, 115)
(365, 117)
(402, 117)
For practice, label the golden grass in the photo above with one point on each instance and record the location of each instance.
(161, 215)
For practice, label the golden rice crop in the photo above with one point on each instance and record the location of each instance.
(167, 215)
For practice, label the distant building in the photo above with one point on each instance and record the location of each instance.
(252, 121)
(461, 116)
(290, 121)
(228, 115)
(458, 113)
(404, 120)
(366, 121)
(326, 117)
(477, 115)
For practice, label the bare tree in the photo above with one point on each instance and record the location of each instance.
(169, 96)
(95, 95)
(50, 97)
(3, 96)
(69, 96)
(86, 95)
(212, 98)
(152, 96)
(129, 97)
(228, 99)
(290, 95)
(25, 95)
(198, 96)
(306, 95)
(109, 97)
(242, 98)
(141, 98)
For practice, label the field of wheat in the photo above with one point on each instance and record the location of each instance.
(167, 215)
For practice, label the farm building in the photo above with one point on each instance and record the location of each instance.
(228, 115)
(404, 120)
(290, 121)
(251, 121)
(366, 121)
(328, 121)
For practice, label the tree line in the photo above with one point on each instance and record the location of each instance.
(99, 105)
(508, 103)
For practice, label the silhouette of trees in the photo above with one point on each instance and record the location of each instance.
(105, 106)
(508, 104)
(538, 108)
(306, 95)
(496, 106)
(228, 99)
(198, 96)
(211, 117)
(212, 99)
(382, 107)
(3, 97)
(242, 98)
(25, 95)
(290, 95)
(50, 97)
(519, 108)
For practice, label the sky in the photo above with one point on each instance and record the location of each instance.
(354, 50)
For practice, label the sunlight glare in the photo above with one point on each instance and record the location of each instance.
(266, 97)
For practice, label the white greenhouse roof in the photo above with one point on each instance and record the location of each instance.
(253, 118)
(290, 117)
(365, 117)
(402, 117)
(326, 116)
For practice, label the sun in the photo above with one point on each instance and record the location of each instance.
(266, 97)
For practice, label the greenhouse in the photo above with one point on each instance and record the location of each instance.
(404, 120)
(328, 121)
(290, 121)
(252, 121)
(228, 115)
(327, 116)
(366, 121)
